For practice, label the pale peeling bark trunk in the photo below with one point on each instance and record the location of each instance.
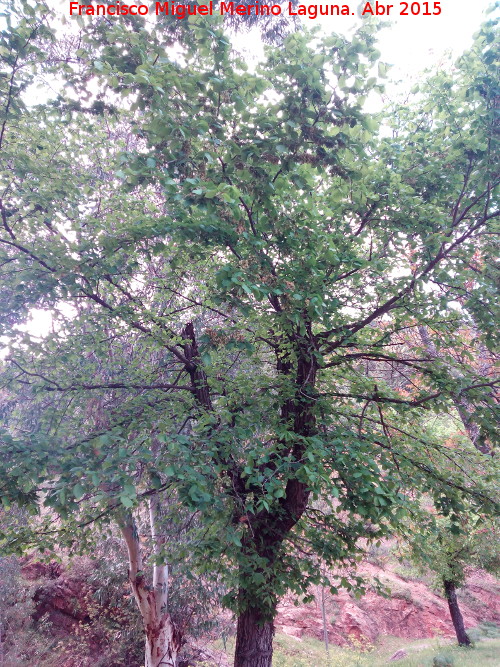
(163, 639)
(160, 571)
(162, 646)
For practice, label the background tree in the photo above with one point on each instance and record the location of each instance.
(448, 551)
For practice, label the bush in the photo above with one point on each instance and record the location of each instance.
(379, 555)
(474, 634)
(409, 572)
(443, 660)
(489, 629)
(484, 629)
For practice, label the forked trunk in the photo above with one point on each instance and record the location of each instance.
(254, 640)
(456, 615)
(163, 638)
(162, 643)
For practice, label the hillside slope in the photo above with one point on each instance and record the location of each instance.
(81, 628)
(413, 610)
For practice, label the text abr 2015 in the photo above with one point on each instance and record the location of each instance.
(312, 11)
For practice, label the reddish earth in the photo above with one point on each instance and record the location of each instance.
(60, 595)
(412, 611)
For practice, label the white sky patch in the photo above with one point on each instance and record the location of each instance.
(39, 324)
(409, 43)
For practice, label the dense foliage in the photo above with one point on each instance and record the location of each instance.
(235, 264)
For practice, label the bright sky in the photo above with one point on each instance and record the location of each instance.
(410, 43)
(413, 43)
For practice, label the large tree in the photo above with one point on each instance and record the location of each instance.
(221, 253)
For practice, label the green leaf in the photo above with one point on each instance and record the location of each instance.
(78, 491)
(126, 501)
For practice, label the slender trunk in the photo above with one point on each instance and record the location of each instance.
(456, 615)
(160, 570)
(323, 616)
(254, 640)
(163, 639)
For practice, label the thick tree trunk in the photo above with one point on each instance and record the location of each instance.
(255, 630)
(254, 640)
(456, 615)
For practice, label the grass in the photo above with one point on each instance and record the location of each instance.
(288, 652)
(311, 653)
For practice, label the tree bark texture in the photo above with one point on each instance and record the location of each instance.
(269, 528)
(254, 640)
(255, 629)
(456, 614)
(162, 643)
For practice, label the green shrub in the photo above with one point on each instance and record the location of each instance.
(484, 629)
(489, 629)
(474, 634)
(443, 660)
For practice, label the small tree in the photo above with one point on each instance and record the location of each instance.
(449, 550)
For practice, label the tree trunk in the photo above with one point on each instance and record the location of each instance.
(254, 640)
(323, 616)
(269, 528)
(162, 643)
(456, 615)
(163, 638)
(255, 630)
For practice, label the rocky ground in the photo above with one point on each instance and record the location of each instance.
(412, 609)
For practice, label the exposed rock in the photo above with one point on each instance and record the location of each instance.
(62, 602)
(413, 611)
(32, 569)
(357, 624)
(60, 595)
(301, 620)
(292, 631)
(399, 655)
